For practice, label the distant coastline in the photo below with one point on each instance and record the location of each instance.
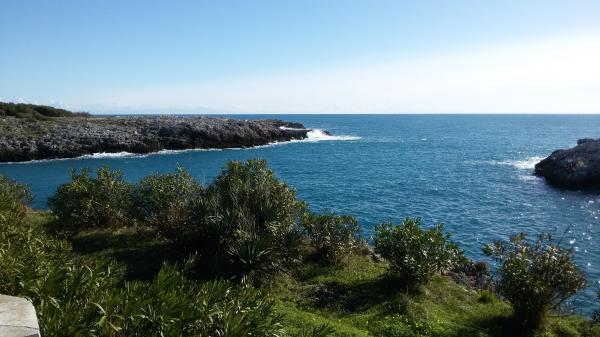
(30, 132)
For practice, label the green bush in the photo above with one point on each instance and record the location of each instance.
(415, 255)
(13, 198)
(333, 236)
(535, 277)
(92, 202)
(74, 298)
(163, 201)
(247, 220)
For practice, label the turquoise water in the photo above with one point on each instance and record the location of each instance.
(471, 172)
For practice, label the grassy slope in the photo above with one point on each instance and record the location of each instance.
(353, 298)
(357, 302)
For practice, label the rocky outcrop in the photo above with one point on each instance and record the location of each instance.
(68, 137)
(577, 167)
(472, 275)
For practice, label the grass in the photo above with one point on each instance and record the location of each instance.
(353, 298)
(357, 301)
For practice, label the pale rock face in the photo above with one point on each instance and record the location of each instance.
(17, 318)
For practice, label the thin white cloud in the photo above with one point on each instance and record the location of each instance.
(558, 75)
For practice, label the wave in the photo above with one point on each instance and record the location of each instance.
(316, 135)
(524, 164)
(100, 155)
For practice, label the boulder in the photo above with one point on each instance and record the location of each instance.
(574, 168)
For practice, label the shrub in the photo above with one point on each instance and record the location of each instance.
(13, 198)
(73, 298)
(92, 202)
(248, 220)
(164, 200)
(535, 277)
(415, 255)
(333, 236)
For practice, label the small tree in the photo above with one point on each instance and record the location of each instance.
(535, 276)
(92, 202)
(333, 236)
(415, 255)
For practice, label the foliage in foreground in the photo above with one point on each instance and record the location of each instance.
(334, 237)
(414, 254)
(73, 298)
(357, 302)
(103, 200)
(246, 222)
(164, 201)
(535, 277)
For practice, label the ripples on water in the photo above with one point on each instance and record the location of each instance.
(473, 173)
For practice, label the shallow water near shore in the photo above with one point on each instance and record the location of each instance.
(471, 172)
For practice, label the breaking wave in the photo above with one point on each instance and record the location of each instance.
(316, 135)
(525, 164)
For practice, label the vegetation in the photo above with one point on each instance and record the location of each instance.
(92, 202)
(247, 221)
(91, 298)
(21, 110)
(415, 255)
(164, 200)
(535, 277)
(333, 237)
(297, 273)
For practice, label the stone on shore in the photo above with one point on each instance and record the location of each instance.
(575, 168)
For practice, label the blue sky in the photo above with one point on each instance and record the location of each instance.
(302, 56)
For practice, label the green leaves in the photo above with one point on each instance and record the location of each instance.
(77, 298)
(333, 236)
(92, 202)
(535, 276)
(415, 255)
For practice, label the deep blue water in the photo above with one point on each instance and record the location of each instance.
(471, 172)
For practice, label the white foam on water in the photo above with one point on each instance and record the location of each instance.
(100, 155)
(527, 164)
(524, 164)
(316, 135)
(529, 178)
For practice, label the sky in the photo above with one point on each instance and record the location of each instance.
(302, 56)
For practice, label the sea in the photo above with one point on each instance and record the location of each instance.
(473, 173)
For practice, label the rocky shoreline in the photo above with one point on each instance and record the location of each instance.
(70, 137)
(574, 168)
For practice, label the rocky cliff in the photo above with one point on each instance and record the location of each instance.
(67, 137)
